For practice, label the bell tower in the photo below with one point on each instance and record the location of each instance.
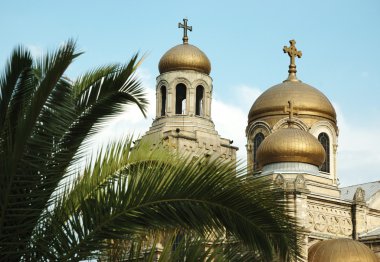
(183, 104)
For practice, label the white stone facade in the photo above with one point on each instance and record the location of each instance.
(321, 182)
(190, 130)
(323, 210)
(183, 123)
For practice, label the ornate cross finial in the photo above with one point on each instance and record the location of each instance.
(293, 53)
(185, 39)
(291, 110)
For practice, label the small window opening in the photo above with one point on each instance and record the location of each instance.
(199, 101)
(323, 138)
(163, 100)
(180, 106)
(259, 137)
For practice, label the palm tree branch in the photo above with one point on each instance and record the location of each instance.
(55, 66)
(91, 121)
(91, 78)
(137, 213)
(261, 238)
(18, 62)
(109, 81)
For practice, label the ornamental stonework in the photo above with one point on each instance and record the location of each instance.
(328, 220)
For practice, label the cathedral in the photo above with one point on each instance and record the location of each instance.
(292, 139)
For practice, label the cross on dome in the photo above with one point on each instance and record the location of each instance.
(185, 39)
(293, 53)
(291, 110)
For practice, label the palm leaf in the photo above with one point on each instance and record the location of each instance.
(53, 66)
(92, 88)
(20, 61)
(41, 135)
(27, 147)
(111, 89)
(153, 194)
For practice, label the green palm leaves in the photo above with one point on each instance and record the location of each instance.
(141, 192)
(44, 120)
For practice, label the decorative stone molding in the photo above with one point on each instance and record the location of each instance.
(329, 220)
(310, 221)
(320, 223)
(326, 127)
(333, 225)
(346, 226)
(299, 182)
(284, 123)
(251, 131)
(359, 195)
(332, 131)
(200, 82)
(256, 127)
(180, 80)
(279, 181)
(162, 83)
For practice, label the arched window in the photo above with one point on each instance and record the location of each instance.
(163, 100)
(180, 99)
(199, 101)
(259, 137)
(323, 138)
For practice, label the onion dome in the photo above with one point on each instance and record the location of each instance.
(341, 250)
(311, 101)
(184, 57)
(290, 145)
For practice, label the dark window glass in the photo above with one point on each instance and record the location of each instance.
(180, 99)
(163, 100)
(325, 141)
(199, 101)
(259, 137)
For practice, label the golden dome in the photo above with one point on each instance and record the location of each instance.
(184, 57)
(290, 145)
(309, 101)
(341, 250)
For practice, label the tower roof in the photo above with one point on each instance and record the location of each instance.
(311, 102)
(346, 250)
(290, 145)
(184, 57)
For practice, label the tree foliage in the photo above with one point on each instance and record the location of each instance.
(44, 121)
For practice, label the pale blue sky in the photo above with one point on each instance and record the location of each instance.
(340, 41)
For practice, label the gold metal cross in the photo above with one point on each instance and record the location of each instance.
(291, 110)
(185, 39)
(293, 53)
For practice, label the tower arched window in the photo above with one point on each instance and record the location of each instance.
(163, 100)
(199, 101)
(180, 99)
(323, 138)
(259, 137)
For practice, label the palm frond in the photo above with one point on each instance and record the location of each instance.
(91, 78)
(112, 89)
(153, 194)
(91, 89)
(53, 66)
(41, 121)
(27, 143)
(19, 61)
